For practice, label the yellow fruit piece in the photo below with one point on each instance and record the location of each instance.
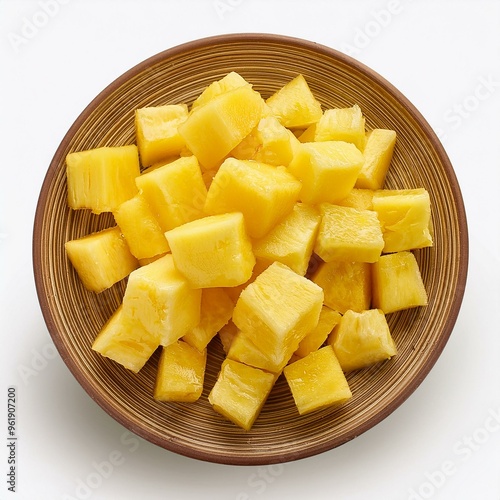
(328, 170)
(275, 143)
(156, 132)
(317, 381)
(226, 335)
(240, 392)
(243, 350)
(397, 283)
(346, 285)
(328, 319)
(103, 178)
(405, 217)
(229, 82)
(362, 339)
(216, 310)
(277, 311)
(140, 228)
(181, 373)
(212, 130)
(291, 241)
(129, 345)
(295, 105)
(338, 124)
(160, 299)
(378, 155)
(362, 199)
(348, 234)
(175, 192)
(101, 259)
(262, 193)
(214, 251)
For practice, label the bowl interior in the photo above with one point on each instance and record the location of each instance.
(74, 316)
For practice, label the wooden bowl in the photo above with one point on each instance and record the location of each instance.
(74, 316)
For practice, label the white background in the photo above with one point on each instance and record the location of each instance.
(444, 441)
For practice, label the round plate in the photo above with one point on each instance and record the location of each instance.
(74, 316)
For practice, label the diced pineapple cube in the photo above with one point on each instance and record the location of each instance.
(242, 349)
(362, 199)
(277, 310)
(378, 155)
(263, 193)
(229, 82)
(328, 319)
(397, 283)
(101, 259)
(328, 170)
(346, 233)
(269, 142)
(291, 241)
(226, 335)
(405, 217)
(181, 373)
(212, 130)
(127, 344)
(317, 381)
(216, 310)
(160, 299)
(346, 285)
(340, 124)
(295, 105)
(156, 132)
(240, 392)
(103, 178)
(140, 228)
(175, 192)
(362, 339)
(214, 251)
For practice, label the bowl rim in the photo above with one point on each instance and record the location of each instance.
(202, 43)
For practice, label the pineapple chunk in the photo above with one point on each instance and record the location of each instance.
(338, 124)
(277, 310)
(160, 299)
(103, 178)
(362, 339)
(226, 335)
(292, 240)
(362, 199)
(175, 192)
(270, 143)
(397, 283)
(127, 344)
(405, 216)
(295, 105)
(328, 170)
(140, 228)
(263, 193)
(328, 319)
(229, 82)
(317, 381)
(240, 392)
(348, 234)
(181, 372)
(212, 130)
(101, 259)
(346, 285)
(214, 251)
(378, 155)
(216, 310)
(243, 350)
(156, 132)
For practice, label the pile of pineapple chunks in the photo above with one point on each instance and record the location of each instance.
(264, 222)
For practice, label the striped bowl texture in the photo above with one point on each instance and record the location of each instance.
(74, 316)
